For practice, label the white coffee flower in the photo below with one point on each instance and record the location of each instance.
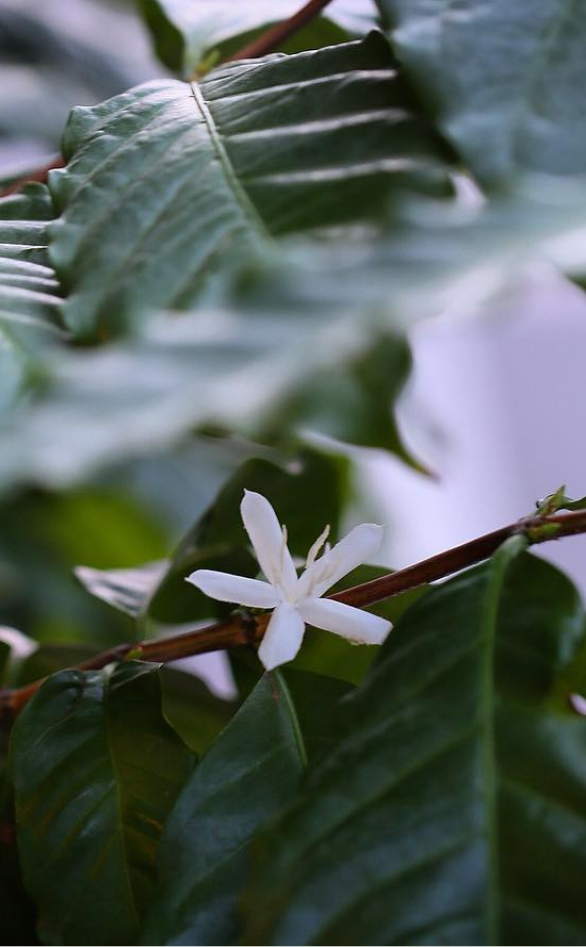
(297, 600)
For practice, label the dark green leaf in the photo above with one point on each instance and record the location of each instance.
(96, 770)
(194, 712)
(307, 494)
(308, 491)
(454, 812)
(258, 149)
(250, 772)
(189, 33)
(329, 654)
(505, 80)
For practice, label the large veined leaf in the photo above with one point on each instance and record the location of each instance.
(454, 812)
(505, 79)
(187, 33)
(96, 771)
(171, 181)
(319, 316)
(29, 293)
(249, 773)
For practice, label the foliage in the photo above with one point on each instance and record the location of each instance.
(215, 293)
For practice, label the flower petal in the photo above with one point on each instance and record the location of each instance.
(360, 545)
(283, 637)
(345, 620)
(235, 588)
(268, 539)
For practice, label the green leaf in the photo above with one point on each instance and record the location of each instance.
(249, 773)
(256, 150)
(187, 33)
(330, 654)
(96, 770)
(319, 312)
(192, 709)
(29, 293)
(42, 538)
(505, 80)
(307, 492)
(454, 811)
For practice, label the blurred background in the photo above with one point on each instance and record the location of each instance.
(506, 383)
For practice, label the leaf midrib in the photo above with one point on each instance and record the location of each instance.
(241, 197)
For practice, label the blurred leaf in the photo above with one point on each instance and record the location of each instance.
(256, 150)
(192, 709)
(29, 292)
(186, 33)
(96, 770)
(248, 774)
(124, 589)
(58, 55)
(48, 659)
(454, 811)
(307, 494)
(319, 311)
(44, 536)
(505, 80)
(308, 489)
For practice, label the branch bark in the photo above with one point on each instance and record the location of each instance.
(243, 629)
(274, 37)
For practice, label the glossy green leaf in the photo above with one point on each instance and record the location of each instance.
(256, 150)
(455, 810)
(249, 773)
(96, 771)
(505, 80)
(187, 34)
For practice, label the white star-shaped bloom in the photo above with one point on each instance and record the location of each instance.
(297, 599)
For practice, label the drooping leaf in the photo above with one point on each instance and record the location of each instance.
(187, 34)
(505, 80)
(258, 149)
(249, 773)
(454, 811)
(96, 770)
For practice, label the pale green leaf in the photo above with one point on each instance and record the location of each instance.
(505, 79)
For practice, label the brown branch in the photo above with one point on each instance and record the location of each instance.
(244, 629)
(276, 35)
(39, 175)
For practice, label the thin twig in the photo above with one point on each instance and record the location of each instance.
(276, 35)
(243, 629)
